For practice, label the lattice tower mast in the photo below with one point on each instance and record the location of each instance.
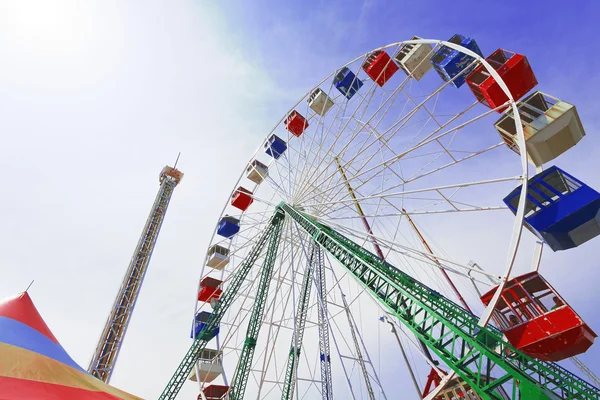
(110, 342)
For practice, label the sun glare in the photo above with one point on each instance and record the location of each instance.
(58, 26)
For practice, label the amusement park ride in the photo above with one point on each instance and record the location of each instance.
(352, 156)
(110, 342)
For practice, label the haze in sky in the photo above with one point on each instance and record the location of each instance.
(97, 96)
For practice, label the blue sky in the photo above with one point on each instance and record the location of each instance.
(315, 35)
(96, 97)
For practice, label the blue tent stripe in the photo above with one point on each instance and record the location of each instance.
(20, 335)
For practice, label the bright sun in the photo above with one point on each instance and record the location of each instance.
(58, 27)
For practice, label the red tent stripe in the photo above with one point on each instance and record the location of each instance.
(21, 308)
(23, 389)
(36, 368)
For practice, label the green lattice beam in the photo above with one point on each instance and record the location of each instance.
(273, 229)
(478, 355)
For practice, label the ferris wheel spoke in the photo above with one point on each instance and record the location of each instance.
(383, 143)
(337, 193)
(435, 137)
(304, 156)
(424, 190)
(363, 146)
(393, 103)
(342, 190)
(354, 348)
(283, 178)
(275, 186)
(431, 114)
(416, 254)
(317, 159)
(380, 137)
(431, 138)
(320, 128)
(397, 126)
(453, 203)
(354, 134)
(366, 239)
(256, 218)
(456, 161)
(351, 215)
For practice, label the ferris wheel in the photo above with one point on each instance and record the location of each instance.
(367, 202)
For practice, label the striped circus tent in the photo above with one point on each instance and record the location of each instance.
(33, 364)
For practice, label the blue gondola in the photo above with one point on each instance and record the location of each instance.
(200, 322)
(275, 146)
(562, 209)
(228, 226)
(347, 83)
(449, 62)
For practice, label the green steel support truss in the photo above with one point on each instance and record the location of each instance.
(240, 379)
(324, 348)
(229, 294)
(474, 353)
(294, 355)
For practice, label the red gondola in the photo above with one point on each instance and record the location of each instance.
(537, 320)
(296, 123)
(242, 198)
(515, 71)
(380, 67)
(214, 392)
(455, 389)
(210, 288)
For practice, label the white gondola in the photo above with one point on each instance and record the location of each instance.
(217, 257)
(210, 366)
(257, 171)
(414, 58)
(457, 389)
(551, 127)
(320, 102)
